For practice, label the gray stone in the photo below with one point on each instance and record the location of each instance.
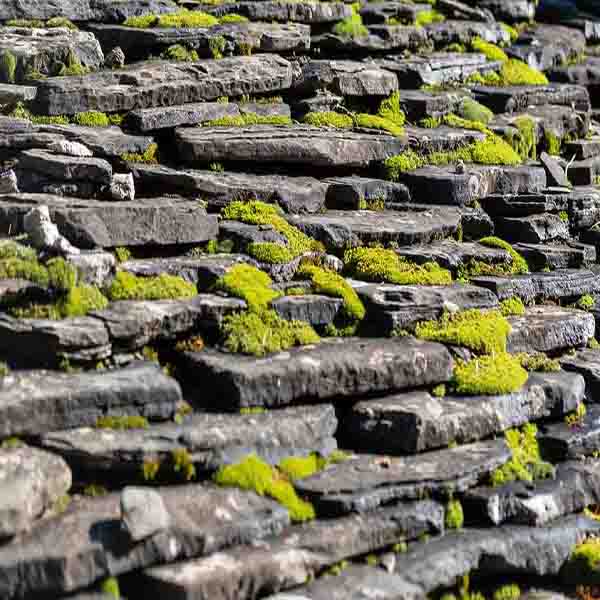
(583, 149)
(463, 32)
(94, 267)
(85, 544)
(458, 10)
(69, 148)
(276, 10)
(534, 229)
(11, 94)
(287, 561)
(550, 329)
(8, 182)
(161, 83)
(351, 192)
(143, 513)
(35, 402)
(584, 172)
(381, 12)
(542, 256)
(524, 205)
(338, 229)
(122, 187)
(347, 367)
(368, 481)
(508, 10)
(418, 104)
(314, 309)
(93, 224)
(115, 59)
(587, 363)
(298, 145)
(293, 194)
(43, 234)
(556, 174)
(32, 480)
(392, 307)
(416, 421)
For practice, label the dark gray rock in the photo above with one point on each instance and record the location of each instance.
(565, 283)
(161, 83)
(443, 138)
(32, 480)
(276, 10)
(86, 543)
(524, 205)
(351, 192)
(556, 174)
(11, 94)
(299, 145)
(587, 363)
(285, 562)
(35, 402)
(583, 149)
(550, 329)
(508, 10)
(293, 194)
(347, 367)
(314, 309)
(92, 223)
(416, 421)
(381, 12)
(392, 307)
(458, 10)
(367, 481)
(94, 267)
(584, 172)
(475, 223)
(340, 228)
(132, 324)
(571, 256)
(464, 32)
(418, 104)
(242, 234)
(576, 486)
(534, 229)
(211, 439)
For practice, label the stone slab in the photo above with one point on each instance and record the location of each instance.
(276, 10)
(315, 309)
(587, 363)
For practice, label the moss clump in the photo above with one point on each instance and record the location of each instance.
(512, 32)
(248, 119)
(254, 474)
(180, 53)
(538, 362)
(439, 391)
(379, 265)
(552, 142)
(216, 45)
(141, 22)
(61, 275)
(12, 249)
(525, 143)
(249, 284)
(298, 467)
(122, 254)
(491, 51)
(516, 72)
(586, 302)
(512, 307)
(583, 566)
(126, 286)
(232, 18)
(455, 517)
(376, 122)
(123, 422)
(510, 591)
(26, 23)
(17, 268)
(489, 375)
(72, 67)
(494, 151)
(8, 67)
(426, 17)
(390, 109)
(148, 157)
(577, 417)
(264, 332)
(351, 27)
(110, 586)
(526, 463)
(181, 19)
(60, 22)
(183, 463)
(82, 299)
(519, 264)
(270, 252)
(472, 110)
(482, 332)
(329, 119)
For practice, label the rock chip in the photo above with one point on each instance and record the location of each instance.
(143, 513)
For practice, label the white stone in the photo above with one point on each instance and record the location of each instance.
(143, 512)
(69, 148)
(43, 233)
(122, 186)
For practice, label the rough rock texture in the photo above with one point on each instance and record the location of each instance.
(587, 363)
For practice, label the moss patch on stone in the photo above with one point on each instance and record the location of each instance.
(248, 119)
(250, 284)
(471, 110)
(149, 156)
(491, 51)
(329, 118)
(538, 362)
(390, 109)
(127, 286)
(519, 265)
(455, 517)
(351, 27)
(181, 19)
(512, 307)
(122, 422)
(490, 375)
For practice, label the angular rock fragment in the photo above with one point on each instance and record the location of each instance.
(587, 363)
(345, 367)
(556, 174)
(464, 32)
(535, 229)
(143, 512)
(352, 192)
(544, 256)
(312, 308)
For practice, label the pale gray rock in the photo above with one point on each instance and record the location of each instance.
(43, 233)
(122, 187)
(143, 513)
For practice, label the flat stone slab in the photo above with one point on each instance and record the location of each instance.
(162, 83)
(367, 481)
(546, 256)
(338, 229)
(86, 543)
(416, 421)
(550, 329)
(45, 51)
(35, 402)
(576, 486)
(534, 229)
(587, 363)
(293, 194)
(313, 308)
(211, 439)
(403, 306)
(32, 480)
(463, 32)
(45, 342)
(347, 367)
(276, 10)
(299, 144)
(583, 149)
(564, 283)
(350, 192)
(508, 550)
(288, 561)
(93, 223)
(132, 324)
(524, 205)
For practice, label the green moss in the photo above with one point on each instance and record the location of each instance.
(298, 467)
(430, 123)
(376, 122)
(110, 586)
(72, 67)
(12, 249)
(586, 302)
(491, 51)
(426, 17)
(122, 422)
(122, 254)
(244, 48)
(552, 142)
(4, 370)
(180, 53)
(36, 311)
(216, 45)
(525, 143)
(148, 157)
(250, 284)
(374, 204)
(439, 391)
(46, 120)
(514, 34)
(494, 151)
(60, 22)
(577, 417)
(489, 375)
(329, 119)
(82, 299)
(141, 22)
(232, 18)
(180, 19)
(583, 566)
(516, 72)
(25, 23)
(519, 264)
(183, 463)
(248, 119)
(61, 275)
(512, 307)
(472, 110)
(8, 67)
(17, 268)
(381, 265)
(351, 27)
(12, 442)
(252, 410)
(217, 167)
(390, 109)
(454, 515)
(510, 591)
(483, 332)
(150, 468)
(269, 252)
(254, 474)
(563, 215)
(127, 286)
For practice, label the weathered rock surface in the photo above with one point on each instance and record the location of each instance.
(275, 10)
(143, 513)
(35, 402)
(587, 363)
(534, 229)
(553, 257)
(346, 367)
(350, 192)
(313, 308)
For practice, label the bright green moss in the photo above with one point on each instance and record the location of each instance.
(377, 122)
(148, 157)
(472, 110)
(36, 311)
(12, 249)
(351, 27)
(17, 268)
(491, 51)
(250, 284)
(439, 391)
(216, 45)
(25, 23)
(519, 264)
(46, 120)
(480, 331)
(430, 122)
(586, 302)
(183, 464)
(525, 143)
(248, 119)
(512, 307)
(552, 142)
(232, 18)
(330, 283)
(454, 515)
(81, 300)
(426, 17)
(401, 163)
(122, 254)
(141, 22)
(329, 119)
(110, 586)
(269, 252)
(494, 151)
(8, 67)
(254, 474)
(127, 286)
(180, 53)
(390, 109)
(181, 19)
(496, 374)
(122, 422)
(538, 362)
(264, 332)
(298, 467)
(461, 123)
(61, 275)
(514, 34)
(510, 591)
(583, 566)
(516, 72)
(72, 66)
(381, 265)
(60, 22)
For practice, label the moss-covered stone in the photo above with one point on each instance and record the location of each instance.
(426, 17)
(180, 53)
(552, 142)
(148, 157)
(189, 19)
(232, 18)
(377, 122)
(491, 51)
(538, 362)
(249, 284)
(329, 119)
(519, 265)
(270, 252)
(509, 591)
(122, 422)
(127, 286)
(583, 566)
(248, 119)
(390, 109)
(471, 110)
(82, 299)
(454, 515)
(512, 307)
(496, 374)
(525, 142)
(8, 67)
(516, 72)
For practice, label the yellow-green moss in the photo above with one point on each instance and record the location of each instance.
(484, 332)
(491, 51)
(216, 45)
(254, 474)
(455, 517)
(183, 463)
(519, 264)
(269, 252)
(60, 22)
(127, 286)
(583, 566)
(110, 586)
(516, 72)
(552, 142)
(8, 67)
(426, 17)
(381, 265)
(351, 27)
(439, 391)
(390, 109)
(148, 157)
(180, 19)
(329, 119)
(376, 122)
(264, 332)
(26, 23)
(538, 362)
(510, 591)
(525, 142)
(122, 422)
(232, 18)
(17, 268)
(122, 254)
(12, 249)
(91, 118)
(496, 374)
(250, 284)
(248, 119)
(576, 418)
(512, 32)
(72, 66)
(61, 275)
(82, 299)
(298, 467)
(471, 110)
(180, 53)
(586, 302)
(512, 307)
